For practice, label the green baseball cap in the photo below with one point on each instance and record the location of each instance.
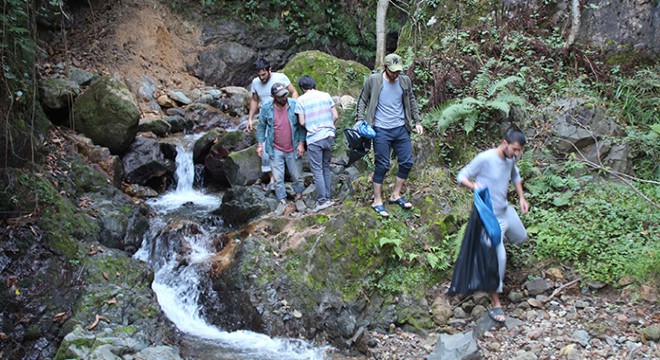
(394, 62)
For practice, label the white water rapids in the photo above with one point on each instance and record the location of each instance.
(178, 287)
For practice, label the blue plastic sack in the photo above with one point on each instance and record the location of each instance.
(485, 208)
(365, 130)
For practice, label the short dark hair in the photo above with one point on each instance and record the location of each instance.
(514, 135)
(261, 64)
(307, 82)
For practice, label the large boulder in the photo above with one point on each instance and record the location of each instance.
(225, 167)
(582, 127)
(108, 114)
(242, 204)
(243, 167)
(332, 75)
(144, 160)
(57, 96)
(622, 26)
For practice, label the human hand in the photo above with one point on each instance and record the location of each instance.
(300, 149)
(476, 185)
(357, 122)
(248, 126)
(524, 206)
(420, 129)
(260, 150)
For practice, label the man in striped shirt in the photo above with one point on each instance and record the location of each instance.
(317, 113)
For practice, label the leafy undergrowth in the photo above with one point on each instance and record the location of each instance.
(604, 229)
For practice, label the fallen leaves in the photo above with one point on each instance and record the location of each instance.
(105, 275)
(97, 319)
(3, 336)
(60, 317)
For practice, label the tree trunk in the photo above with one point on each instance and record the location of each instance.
(575, 22)
(381, 14)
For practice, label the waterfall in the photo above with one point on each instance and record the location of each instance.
(178, 247)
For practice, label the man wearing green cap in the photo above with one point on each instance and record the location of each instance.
(387, 103)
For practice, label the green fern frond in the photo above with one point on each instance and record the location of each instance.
(481, 83)
(453, 114)
(470, 101)
(511, 99)
(500, 105)
(470, 122)
(498, 85)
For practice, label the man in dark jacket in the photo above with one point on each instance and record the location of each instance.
(387, 103)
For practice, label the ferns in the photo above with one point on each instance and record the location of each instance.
(493, 100)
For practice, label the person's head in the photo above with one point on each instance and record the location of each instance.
(262, 66)
(393, 66)
(306, 83)
(279, 93)
(513, 143)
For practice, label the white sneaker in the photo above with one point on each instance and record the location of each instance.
(281, 207)
(323, 206)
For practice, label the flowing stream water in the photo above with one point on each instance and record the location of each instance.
(177, 286)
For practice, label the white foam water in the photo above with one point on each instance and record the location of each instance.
(177, 286)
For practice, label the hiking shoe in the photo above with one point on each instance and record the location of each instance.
(300, 206)
(281, 207)
(323, 206)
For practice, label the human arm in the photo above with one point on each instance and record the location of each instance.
(300, 149)
(414, 110)
(524, 206)
(292, 91)
(335, 114)
(301, 119)
(254, 104)
(363, 101)
(468, 172)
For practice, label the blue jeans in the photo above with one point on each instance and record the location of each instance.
(319, 162)
(293, 165)
(398, 141)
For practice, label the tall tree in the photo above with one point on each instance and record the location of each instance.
(381, 15)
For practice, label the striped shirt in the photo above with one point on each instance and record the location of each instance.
(317, 106)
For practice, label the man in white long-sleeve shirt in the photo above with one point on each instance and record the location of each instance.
(494, 169)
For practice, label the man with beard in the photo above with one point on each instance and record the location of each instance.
(494, 169)
(388, 104)
(281, 137)
(260, 90)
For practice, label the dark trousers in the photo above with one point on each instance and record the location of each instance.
(395, 140)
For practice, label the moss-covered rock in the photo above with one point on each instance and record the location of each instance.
(332, 75)
(108, 114)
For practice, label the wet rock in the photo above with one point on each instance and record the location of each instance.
(454, 347)
(144, 160)
(155, 125)
(537, 286)
(240, 205)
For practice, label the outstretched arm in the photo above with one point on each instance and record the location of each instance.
(524, 206)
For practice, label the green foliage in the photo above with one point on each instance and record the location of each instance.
(313, 24)
(493, 101)
(602, 228)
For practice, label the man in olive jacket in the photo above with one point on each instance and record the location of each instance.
(387, 103)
